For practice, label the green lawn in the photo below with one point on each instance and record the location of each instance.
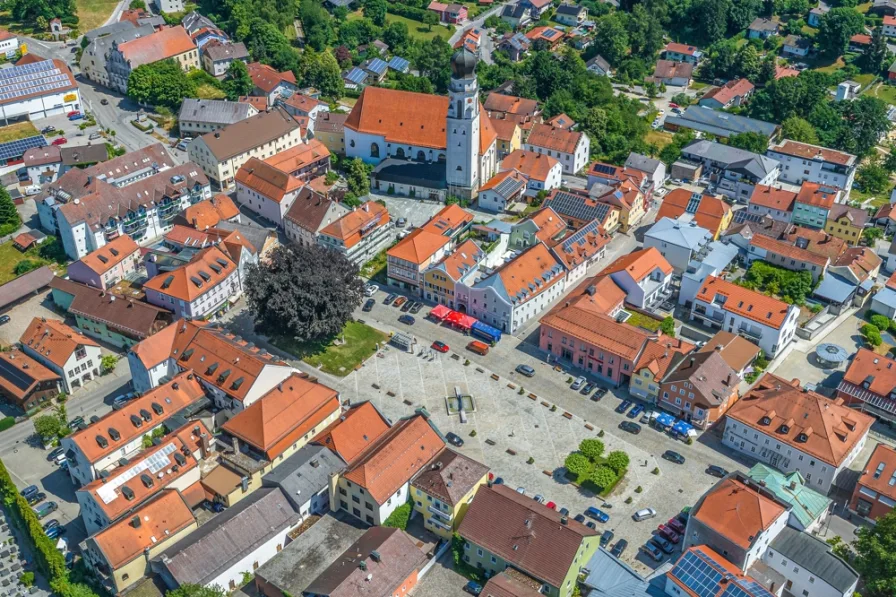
(698, 85)
(360, 343)
(658, 138)
(17, 131)
(93, 13)
(885, 92)
(209, 92)
(375, 269)
(639, 320)
(10, 256)
(418, 30)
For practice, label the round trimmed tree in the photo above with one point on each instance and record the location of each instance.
(592, 449)
(577, 464)
(618, 461)
(603, 477)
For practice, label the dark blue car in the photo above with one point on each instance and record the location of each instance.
(624, 406)
(597, 514)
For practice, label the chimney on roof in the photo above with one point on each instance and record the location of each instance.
(235, 443)
(204, 445)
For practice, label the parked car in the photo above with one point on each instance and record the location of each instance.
(30, 490)
(439, 346)
(498, 481)
(401, 223)
(76, 422)
(75, 116)
(684, 515)
(4, 319)
(368, 305)
(591, 525)
(45, 509)
(47, 130)
(651, 551)
(454, 439)
(587, 389)
(416, 308)
(645, 418)
(716, 471)
(525, 370)
(407, 319)
(33, 189)
(597, 514)
(630, 427)
(619, 548)
(480, 348)
(400, 301)
(473, 588)
(673, 456)
(606, 537)
(580, 518)
(577, 383)
(51, 457)
(633, 413)
(668, 533)
(36, 498)
(406, 306)
(104, 102)
(676, 525)
(644, 514)
(388, 300)
(551, 505)
(59, 141)
(521, 490)
(56, 531)
(600, 393)
(563, 511)
(663, 543)
(539, 498)
(50, 524)
(120, 401)
(94, 136)
(624, 406)
(60, 459)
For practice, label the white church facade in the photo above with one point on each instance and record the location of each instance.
(422, 140)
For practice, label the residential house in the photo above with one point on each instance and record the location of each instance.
(814, 203)
(377, 481)
(796, 46)
(106, 266)
(772, 201)
(700, 389)
(376, 69)
(581, 249)
(25, 383)
(199, 116)
(68, 353)
(735, 171)
(205, 284)
(119, 555)
(245, 537)
(217, 57)
(266, 190)
(570, 14)
(46, 164)
(846, 222)
(806, 432)
(542, 171)
(763, 28)
(801, 162)
(660, 354)
(9, 44)
(171, 43)
(310, 213)
(675, 74)
(453, 14)
(502, 190)
(270, 83)
(609, 175)
(299, 104)
(874, 495)
(136, 481)
(815, 15)
(222, 153)
(607, 576)
(516, 291)
(329, 130)
(357, 429)
(679, 241)
(510, 137)
(767, 321)
(515, 44)
(599, 66)
(442, 492)
(627, 198)
(705, 119)
(579, 209)
(543, 226)
(869, 383)
(101, 445)
(546, 37)
(737, 351)
(709, 213)
(787, 255)
(360, 234)
(304, 479)
(537, 7)
(883, 8)
(654, 169)
(516, 15)
(440, 280)
(713, 260)
(676, 52)
(525, 112)
(745, 225)
(734, 93)
(556, 548)
(809, 509)
(736, 518)
(95, 55)
(211, 212)
(702, 568)
(888, 27)
(809, 566)
(383, 561)
(118, 320)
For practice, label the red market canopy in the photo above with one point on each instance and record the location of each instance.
(460, 320)
(440, 311)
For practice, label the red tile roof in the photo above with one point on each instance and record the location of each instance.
(861, 261)
(710, 214)
(54, 340)
(554, 138)
(878, 370)
(208, 268)
(737, 512)
(267, 180)
(773, 197)
(660, 353)
(729, 91)
(787, 250)
(529, 274)
(29, 371)
(681, 48)
(806, 151)
(639, 264)
(598, 330)
(162, 44)
(354, 432)
(816, 195)
(533, 165)
(418, 247)
(207, 213)
(880, 470)
(110, 254)
(745, 302)
(299, 156)
(510, 104)
(267, 78)
(356, 224)
(461, 260)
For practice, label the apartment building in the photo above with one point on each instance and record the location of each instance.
(801, 162)
(736, 172)
(814, 203)
(699, 389)
(772, 201)
(707, 211)
(570, 148)
(199, 116)
(310, 213)
(869, 384)
(106, 266)
(66, 352)
(208, 283)
(874, 495)
(442, 492)
(173, 43)
(360, 234)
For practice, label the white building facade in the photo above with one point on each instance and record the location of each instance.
(801, 162)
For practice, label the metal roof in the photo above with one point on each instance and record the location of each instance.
(815, 556)
(28, 79)
(607, 576)
(722, 124)
(214, 111)
(679, 234)
(398, 63)
(304, 473)
(356, 76)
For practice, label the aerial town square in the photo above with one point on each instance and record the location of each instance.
(502, 298)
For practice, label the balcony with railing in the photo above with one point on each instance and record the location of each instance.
(135, 223)
(446, 516)
(746, 331)
(168, 210)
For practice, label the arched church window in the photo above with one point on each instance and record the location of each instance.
(421, 157)
(399, 153)
(374, 150)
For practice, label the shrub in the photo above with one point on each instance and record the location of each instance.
(107, 363)
(553, 408)
(629, 500)
(690, 441)
(466, 362)
(25, 266)
(639, 489)
(522, 391)
(27, 579)
(874, 339)
(881, 321)
(656, 470)
(592, 449)
(473, 433)
(569, 379)
(603, 477)
(600, 433)
(530, 461)
(618, 461)
(577, 464)
(6, 423)
(399, 518)
(667, 326)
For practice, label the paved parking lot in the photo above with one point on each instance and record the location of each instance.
(20, 317)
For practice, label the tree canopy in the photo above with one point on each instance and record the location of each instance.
(237, 82)
(162, 83)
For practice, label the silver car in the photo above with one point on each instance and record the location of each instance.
(644, 514)
(578, 383)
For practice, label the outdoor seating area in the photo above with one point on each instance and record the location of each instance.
(466, 323)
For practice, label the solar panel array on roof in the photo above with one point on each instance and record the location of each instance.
(398, 63)
(377, 65)
(699, 573)
(15, 375)
(28, 79)
(578, 207)
(693, 203)
(550, 33)
(746, 588)
(155, 463)
(577, 239)
(604, 169)
(16, 149)
(356, 76)
(509, 186)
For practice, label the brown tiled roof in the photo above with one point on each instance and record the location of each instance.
(729, 91)
(162, 44)
(448, 220)
(240, 137)
(831, 429)
(450, 477)
(299, 156)
(745, 302)
(110, 254)
(156, 348)
(267, 78)
(549, 225)
(554, 138)
(773, 197)
(171, 399)
(354, 225)
(816, 195)
(879, 478)
(308, 210)
(549, 34)
(504, 128)
(461, 260)
(302, 102)
(354, 432)
(524, 533)
(28, 373)
(806, 151)
(661, 353)
(598, 329)
(330, 122)
(782, 72)
(878, 370)
(787, 250)
(260, 103)
(861, 261)
(418, 246)
(534, 165)
(221, 480)
(737, 512)
(509, 104)
(857, 217)
(639, 264)
(737, 351)
(166, 516)
(816, 241)
(287, 412)
(504, 585)
(712, 379)
(40, 156)
(54, 340)
(267, 180)
(395, 457)
(207, 213)
(681, 48)
(205, 271)
(666, 69)
(529, 274)
(710, 213)
(216, 50)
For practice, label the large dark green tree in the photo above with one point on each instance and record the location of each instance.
(306, 292)
(835, 29)
(875, 557)
(189, 590)
(375, 10)
(876, 56)
(237, 82)
(161, 83)
(27, 11)
(755, 142)
(10, 220)
(865, 122)
(611, 37)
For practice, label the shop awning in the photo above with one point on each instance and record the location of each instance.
(682, 428)
(440, 312)
(460, 320)
(665, 419)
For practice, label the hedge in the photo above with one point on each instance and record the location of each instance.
(400, 517)
(6, 423)
(410, 12)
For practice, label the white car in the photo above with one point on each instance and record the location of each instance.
(371, 289)
(644, 514)
(32, 190)
(578, 383)
(660, 193)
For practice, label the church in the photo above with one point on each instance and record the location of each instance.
(422, 143)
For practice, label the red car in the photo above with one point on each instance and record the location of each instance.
(551, 505)
(673, 105)
(440, 346)
(60, 141)
(668, 533)
(73, 113)
(676, 525)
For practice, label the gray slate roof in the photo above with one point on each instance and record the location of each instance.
(732, 158)
(218, 112)
(304, 473)
(610, 577)
(219, 51)
(679, 234)
(721, 124)
(223, 541)
(110, 29)
(193, 21)
(815, 556)
(642, 163)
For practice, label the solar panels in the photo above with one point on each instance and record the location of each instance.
(377, 65)
(155, 463)
(579, 237)
(699, 573)
(550, 33)
(16, 149)
(356, 76)
(693, 203)
(746, 588)
(400, 64)
(509, 186)
(604, 169)
(578, 207)
(30, 79)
